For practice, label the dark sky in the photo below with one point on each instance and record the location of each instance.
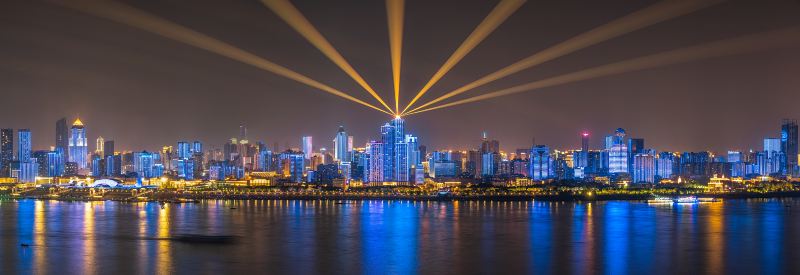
(145, 91)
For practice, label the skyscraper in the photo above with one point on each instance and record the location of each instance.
(27, 169)
(581, 157)
(540, 163)
(24, 145)
(789, 146)
(665, 165)
(108, 148)
(197, 147)
(375, 162)
(387, 141)
(78, 146)
(393, 160)
(774, 158)
(307, 144)
(62, 138)
(617, 152)
(585, 141)
(635, 146)
(340, 144)
(644, 167)
(100, 146)
(184, 150)
(6, 151)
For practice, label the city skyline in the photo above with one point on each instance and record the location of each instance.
(706, 104)
(595, 140)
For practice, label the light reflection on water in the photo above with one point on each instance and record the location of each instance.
(402, 237)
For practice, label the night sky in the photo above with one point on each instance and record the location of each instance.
(145, 91)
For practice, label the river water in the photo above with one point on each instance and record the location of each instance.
(400, 237)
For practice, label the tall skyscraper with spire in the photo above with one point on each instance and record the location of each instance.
(78, 146)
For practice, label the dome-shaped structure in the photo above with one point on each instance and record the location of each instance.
(107, 183)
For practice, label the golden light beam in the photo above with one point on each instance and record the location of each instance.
(394, 14)
(296, 20)
(133, 17)
(497, 16)
(653, 14)
(755, 42)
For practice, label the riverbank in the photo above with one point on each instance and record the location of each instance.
(182, 197)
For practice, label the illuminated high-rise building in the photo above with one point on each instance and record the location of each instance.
(581, 158)
(374, 162)
(396, 166)
(350, 144)
(24, 145)
(307, 146)
(55, 163)
(184, 150)
(265, 162)
(488, 165)
(585, 141)
(100, 146)
(540, 167)
(665, 165)
(644, 167)
(635, 146)
(737, 165)
(147, 165)
(789, 146)
(387, 141)
(773, 162)
(340, 145)
(197, 147)
(617, 152)
(6, 151)
(78, 146)
(292, 165)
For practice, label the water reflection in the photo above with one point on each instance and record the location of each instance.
(89, 254)
(401, 237)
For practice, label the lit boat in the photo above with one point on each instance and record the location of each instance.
(659, 199)
(686, 200)
(708, 199)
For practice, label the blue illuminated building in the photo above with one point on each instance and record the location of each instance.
(617, 152)
(540, 167)
(78, 146)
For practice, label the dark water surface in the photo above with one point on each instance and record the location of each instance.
(396, 237)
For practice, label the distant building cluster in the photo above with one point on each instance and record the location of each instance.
(396, 159)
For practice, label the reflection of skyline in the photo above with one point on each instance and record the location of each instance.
(403, 237)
